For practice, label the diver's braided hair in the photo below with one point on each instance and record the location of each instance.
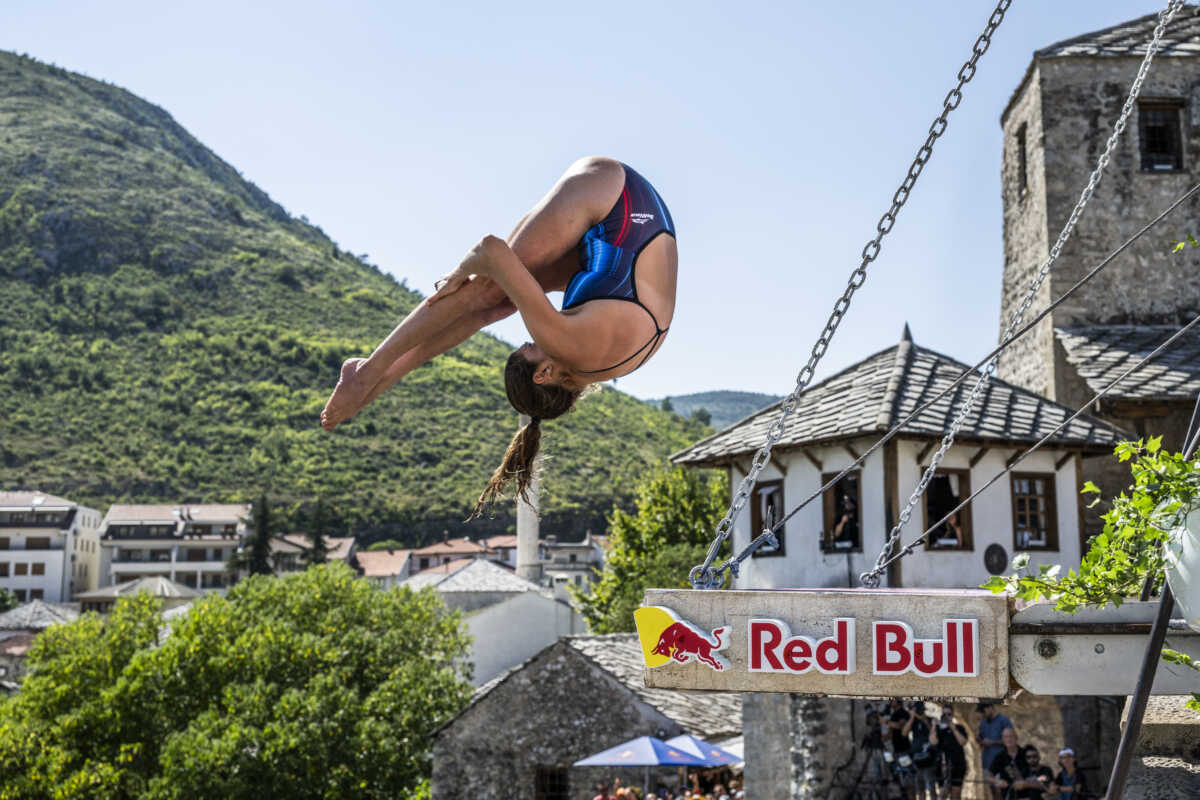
(538, 402)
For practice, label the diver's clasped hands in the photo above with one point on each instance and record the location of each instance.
(476, 264)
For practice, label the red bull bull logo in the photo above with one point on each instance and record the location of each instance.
(667, 638)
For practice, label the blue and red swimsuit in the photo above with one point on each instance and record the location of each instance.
(608, 254)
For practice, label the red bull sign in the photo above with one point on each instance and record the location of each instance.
(866, 643)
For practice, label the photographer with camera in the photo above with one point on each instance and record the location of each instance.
(950, 738)
(900, 722)
(924, 754)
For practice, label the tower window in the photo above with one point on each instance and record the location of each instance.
(1160, 135)
(1022, 162)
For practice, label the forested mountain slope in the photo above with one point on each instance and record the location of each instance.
(169, 333)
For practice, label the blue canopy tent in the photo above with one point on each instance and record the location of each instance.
(644, 751)
(712, 755)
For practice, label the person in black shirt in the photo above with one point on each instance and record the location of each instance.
(1039, 779)
(1008, 767)
(924, 754)
(950, 737)
(898, 718)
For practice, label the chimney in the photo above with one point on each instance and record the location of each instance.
(529, 566)
(445, 537)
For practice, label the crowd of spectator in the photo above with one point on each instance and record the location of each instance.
(923, 754)
(699, 788)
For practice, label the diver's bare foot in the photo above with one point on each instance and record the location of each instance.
(348, 396)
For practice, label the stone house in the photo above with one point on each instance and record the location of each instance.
(835, 538)
(807, 746)
(582, 694)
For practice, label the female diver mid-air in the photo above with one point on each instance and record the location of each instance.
(595, 237)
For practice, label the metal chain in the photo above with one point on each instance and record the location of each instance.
(871, 577)
(703, 576)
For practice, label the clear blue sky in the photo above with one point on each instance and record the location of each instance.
(776, 133)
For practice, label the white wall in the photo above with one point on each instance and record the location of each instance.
(991, 516)
(514, 630)
(51, 582)
(806, 565)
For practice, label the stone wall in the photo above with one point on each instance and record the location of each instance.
(1068, 106)
(554, 711)
(1026, 239)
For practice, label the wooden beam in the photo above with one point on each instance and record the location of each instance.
(850, 449)
(744, 470)
(1009, 461)
(925, 451)
(1080, 505)
(816, 462)
(1059, 464)
(891, 503)
(779, 465)
(979, 454)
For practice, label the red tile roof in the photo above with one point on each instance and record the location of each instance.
(381, 563)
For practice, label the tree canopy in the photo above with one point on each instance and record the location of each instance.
(316, 685)
(677, 512)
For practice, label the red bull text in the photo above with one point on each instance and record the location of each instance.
(772, 647)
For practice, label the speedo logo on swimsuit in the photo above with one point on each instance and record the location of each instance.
(640, 219)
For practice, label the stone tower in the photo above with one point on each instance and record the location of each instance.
(1055, 127)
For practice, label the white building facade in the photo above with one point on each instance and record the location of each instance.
(49, 546)
(188, 544)
(1037, 509)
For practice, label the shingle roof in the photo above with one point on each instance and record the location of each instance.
(475, 575)
(878, 392)
(37, 615)
(458, 546)
(157, 586)
(1182, 38)
(1100, 353)
(707, 715)
(436, 574)
(22, 500)
(381, 563)
(704, 714)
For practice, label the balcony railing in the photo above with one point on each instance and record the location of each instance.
(157, 557)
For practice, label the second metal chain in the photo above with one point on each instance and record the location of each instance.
(703, 576)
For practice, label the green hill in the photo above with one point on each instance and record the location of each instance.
(169, 333)
(725, 407)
